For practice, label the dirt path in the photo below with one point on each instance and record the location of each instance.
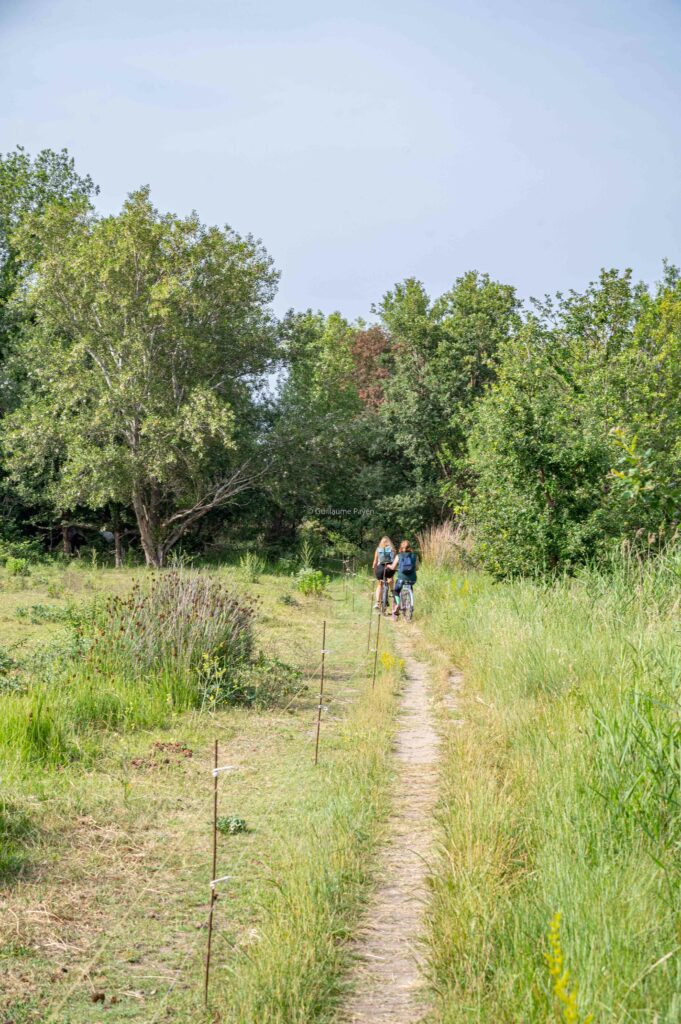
(388, 981)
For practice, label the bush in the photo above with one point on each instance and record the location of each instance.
(17, 566)
(30, 550)
(311, 581)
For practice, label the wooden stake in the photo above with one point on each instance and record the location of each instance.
(352, 583)
(321, 694)
(213, 893)
(378, 634)
(371, 614)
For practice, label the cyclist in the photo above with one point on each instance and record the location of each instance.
(405, 565)
(382, 565)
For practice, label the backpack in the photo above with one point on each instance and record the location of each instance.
(407, 562)
(385, 556)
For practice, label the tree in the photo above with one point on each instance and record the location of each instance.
(27, 187)
(148, 335)
(443, 356)
(329, 447)
(577, 444)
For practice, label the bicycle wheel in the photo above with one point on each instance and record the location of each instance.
(385, 595)
(407, 603)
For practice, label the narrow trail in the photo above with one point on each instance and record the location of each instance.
(388, 980)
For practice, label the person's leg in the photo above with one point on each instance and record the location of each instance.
(396, 598)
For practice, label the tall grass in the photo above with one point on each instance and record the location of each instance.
(446, 545)
(562, 793)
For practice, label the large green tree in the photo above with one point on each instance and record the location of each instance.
(146, 336)
(577, 444)
(443, 357)
(28, 186)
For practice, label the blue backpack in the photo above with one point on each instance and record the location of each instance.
(407, 562)
(385, 556)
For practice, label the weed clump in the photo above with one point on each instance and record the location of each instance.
(311, 581)
(172, 625)
(260, 682)
(14, 830)
(252, 566)
(17, 566)
(231, 825)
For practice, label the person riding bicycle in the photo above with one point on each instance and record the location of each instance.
(405, 565)
(382, 565)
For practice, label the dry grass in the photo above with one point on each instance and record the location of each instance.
(447, 545)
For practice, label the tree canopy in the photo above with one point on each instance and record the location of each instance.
(145, 379)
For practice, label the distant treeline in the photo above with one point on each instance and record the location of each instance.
(147, 389)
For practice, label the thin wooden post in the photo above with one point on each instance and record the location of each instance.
(352, 583)
(321, 694)
(378, 634)
(213, 893)
(371, 613)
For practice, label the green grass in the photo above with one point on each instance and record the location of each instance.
(561, 793)
(109, 888)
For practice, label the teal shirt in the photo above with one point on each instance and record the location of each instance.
(410, 577)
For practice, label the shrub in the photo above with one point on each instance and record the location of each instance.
(311, 581)
(17, 566)
(31, 550)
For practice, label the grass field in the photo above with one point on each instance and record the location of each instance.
(554, 893)
(561, 794)
(107, 856)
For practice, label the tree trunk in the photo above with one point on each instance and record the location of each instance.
(118, 538)
(65, 540)
(118, 548)
(148, 525)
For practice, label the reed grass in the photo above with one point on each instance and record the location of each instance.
(445, 545)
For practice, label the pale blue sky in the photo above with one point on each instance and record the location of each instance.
(368, 141)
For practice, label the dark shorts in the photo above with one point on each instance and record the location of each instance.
(384, 571)
(400, 583)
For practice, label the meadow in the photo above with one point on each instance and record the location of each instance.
(107, 797)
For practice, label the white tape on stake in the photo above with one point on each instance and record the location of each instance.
(223, 878)
(227, 768)
(326, 650)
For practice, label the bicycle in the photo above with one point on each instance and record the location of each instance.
(384, 602)
(407, 600)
